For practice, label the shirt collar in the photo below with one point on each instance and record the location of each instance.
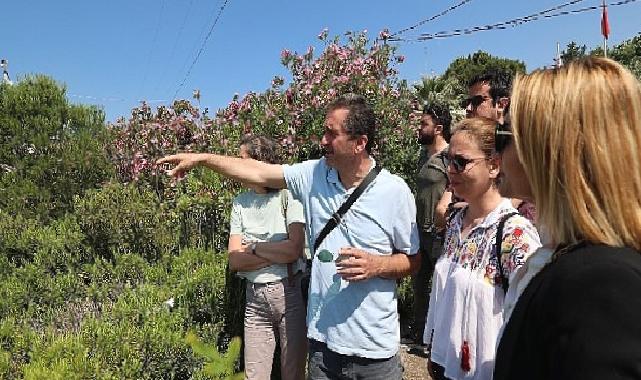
(493, 217)
(332, 174)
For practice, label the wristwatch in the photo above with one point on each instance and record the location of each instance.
(253, 248)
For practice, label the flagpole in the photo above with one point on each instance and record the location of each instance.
(605, 29)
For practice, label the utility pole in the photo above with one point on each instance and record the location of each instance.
(605, 28)
(558, 62)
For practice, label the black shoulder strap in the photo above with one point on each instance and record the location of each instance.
(336, 217)
(505, 282)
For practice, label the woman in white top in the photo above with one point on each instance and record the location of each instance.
(469, 284)
(266, 246)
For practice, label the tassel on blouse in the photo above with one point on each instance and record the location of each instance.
(465, 357)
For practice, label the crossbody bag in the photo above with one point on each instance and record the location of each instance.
(337, 216)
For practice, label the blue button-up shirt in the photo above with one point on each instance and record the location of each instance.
(357, 318)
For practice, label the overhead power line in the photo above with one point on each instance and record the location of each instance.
(453, 7)
(555, 8)
(202, 48)
(512, 23)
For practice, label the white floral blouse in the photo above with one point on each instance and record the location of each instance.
(466, 303)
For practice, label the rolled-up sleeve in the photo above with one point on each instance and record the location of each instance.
(405, 231)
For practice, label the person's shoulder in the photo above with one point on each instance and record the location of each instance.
(506, 210)
(393, 180)
(516, 220)
(244, 196)
(306, 166)
(312, 163)
(247, 198)
(600, 257)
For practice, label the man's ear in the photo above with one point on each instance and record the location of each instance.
(438, 129)
(503, 102)
(361, 144)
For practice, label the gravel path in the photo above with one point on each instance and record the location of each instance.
(415, 365)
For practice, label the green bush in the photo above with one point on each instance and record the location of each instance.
(51, 150)
(31, 293)
(202, 291)
(60, 358)
(55, 248)
(16, 345)
(125, 219)
(17, 238)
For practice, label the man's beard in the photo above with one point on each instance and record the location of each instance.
(426, 139)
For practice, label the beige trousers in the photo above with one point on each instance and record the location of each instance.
(275, 311)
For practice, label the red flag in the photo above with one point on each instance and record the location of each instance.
(605, 24)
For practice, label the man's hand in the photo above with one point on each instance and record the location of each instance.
(183, 161)
(354, 264)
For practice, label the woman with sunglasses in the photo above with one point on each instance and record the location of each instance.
(577, 132)
(472, 275)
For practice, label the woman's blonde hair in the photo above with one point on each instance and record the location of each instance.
(577, 131)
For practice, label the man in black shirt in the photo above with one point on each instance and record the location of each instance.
(431, 184)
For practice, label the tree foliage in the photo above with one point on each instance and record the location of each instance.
(628, 53)
(573, 51)
(465, 68)
(50, 149)
(441, 90)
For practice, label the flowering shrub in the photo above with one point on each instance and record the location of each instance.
(292, 113)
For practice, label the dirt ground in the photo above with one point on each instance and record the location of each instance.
(415, 365)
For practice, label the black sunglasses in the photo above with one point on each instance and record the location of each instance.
(460, 163)
(502, 137)
(475, 101)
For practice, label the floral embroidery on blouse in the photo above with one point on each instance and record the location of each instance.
(476, 251)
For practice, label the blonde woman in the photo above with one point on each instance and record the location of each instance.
(577, 132)
(471, 276)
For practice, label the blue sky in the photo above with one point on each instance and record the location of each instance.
(115, 53)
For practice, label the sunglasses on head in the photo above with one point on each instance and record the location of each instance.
(460, 163)
(475, 101)
(502, 137)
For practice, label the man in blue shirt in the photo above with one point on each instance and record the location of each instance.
(352, 317)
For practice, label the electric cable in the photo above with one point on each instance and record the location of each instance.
(513, 22)
(423, 22)
(202, 48)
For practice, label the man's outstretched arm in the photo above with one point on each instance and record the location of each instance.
(248, 171)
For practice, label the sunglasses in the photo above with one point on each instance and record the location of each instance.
(475, 101)
(460, 163)
(502, 137)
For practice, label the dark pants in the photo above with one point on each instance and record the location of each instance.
(438, 372)
(325, 364)
(421, 283)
